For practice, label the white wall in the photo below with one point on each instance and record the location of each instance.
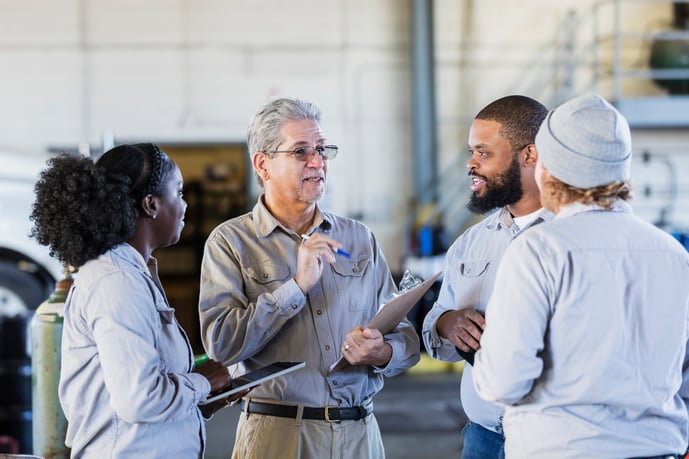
(183, 70)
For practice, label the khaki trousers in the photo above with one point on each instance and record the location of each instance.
(271, 437)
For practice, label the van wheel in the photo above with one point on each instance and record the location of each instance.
(20, 291)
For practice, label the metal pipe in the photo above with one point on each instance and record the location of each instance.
(423, 102)
(617, 59)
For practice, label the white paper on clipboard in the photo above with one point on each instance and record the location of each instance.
(391, 313)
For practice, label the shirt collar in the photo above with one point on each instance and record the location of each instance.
(266, 223)
(264, 220)
(130, 254)
(504, 219)
(574, 208)
(320, 221)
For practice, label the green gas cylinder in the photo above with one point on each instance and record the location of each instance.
(49, 422)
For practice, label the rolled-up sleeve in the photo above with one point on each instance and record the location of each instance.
(438, 347)
(233, 326)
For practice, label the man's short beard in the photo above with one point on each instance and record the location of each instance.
(507, 189)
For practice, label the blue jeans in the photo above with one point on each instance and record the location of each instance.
(481, 443)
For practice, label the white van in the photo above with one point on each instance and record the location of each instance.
(27, 272)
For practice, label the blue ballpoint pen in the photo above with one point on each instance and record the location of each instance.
(337, 251)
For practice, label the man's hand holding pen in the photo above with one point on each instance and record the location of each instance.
(313, 251)
(337, 247)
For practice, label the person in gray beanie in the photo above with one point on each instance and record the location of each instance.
(587, 329)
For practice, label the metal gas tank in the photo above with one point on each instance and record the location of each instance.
(49, 422)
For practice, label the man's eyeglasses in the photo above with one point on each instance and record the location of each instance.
(305, 153)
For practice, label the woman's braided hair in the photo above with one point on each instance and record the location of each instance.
(155, 175)
(82, 208)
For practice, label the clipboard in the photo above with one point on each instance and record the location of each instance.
(253, 378)
(392, 313)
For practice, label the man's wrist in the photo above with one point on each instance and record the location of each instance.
(438, 325)
(386, 355)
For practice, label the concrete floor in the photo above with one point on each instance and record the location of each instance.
(420, 417)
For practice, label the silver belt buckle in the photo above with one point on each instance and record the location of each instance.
(327, 414)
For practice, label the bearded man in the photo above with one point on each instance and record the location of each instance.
(501, 166)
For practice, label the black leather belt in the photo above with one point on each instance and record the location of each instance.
(328, 413)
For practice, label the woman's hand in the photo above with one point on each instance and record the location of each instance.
(208, 410)
(216, 374)
(219, 378)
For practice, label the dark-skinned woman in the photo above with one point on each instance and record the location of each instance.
(128, 384)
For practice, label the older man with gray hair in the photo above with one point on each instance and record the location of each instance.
(291, 282)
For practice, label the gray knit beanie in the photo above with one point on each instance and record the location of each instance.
(586, 143)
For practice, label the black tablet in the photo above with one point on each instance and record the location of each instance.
(253, 378)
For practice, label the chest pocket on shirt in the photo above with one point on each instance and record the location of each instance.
(473, 268)
(348, 274)
(469, 277)
(264, 274)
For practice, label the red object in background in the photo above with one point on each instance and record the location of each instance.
(9, 444)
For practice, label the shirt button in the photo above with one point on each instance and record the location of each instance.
(334, 383)
(294, 306)
(319, 312)
(354, 270)
(327, 347)
(265, 275)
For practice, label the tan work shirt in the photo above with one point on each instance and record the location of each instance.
(253, 312)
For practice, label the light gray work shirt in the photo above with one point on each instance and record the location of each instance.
(253, 312)
(586, 338)
(125, 382)
(468, 281)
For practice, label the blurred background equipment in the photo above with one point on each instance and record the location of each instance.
(49, 422)
(27, 272)
(669, 54)
(27, 276)
(15, 384)
(217, 180)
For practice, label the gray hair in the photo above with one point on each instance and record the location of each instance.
(263, 134)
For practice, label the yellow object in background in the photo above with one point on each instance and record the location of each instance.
(428, 365)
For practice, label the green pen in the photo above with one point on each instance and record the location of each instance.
(201, 359)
